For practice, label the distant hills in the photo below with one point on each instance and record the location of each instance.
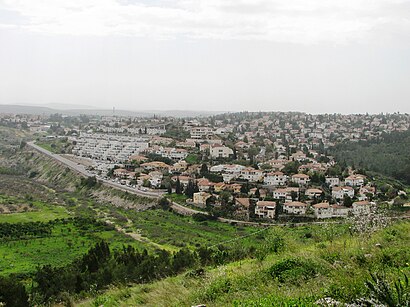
(67, 110)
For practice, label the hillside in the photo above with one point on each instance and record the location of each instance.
(387, 155)
(309, 264)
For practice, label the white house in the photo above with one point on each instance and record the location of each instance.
(295, 207)
(265, 209)
(362, 207)
(312, 193)
(200, 132)
(251, 174)
(340, 192)
(355, 180)
(155, 178)
(322, 210)
(340, 211)
(301, 179)
(220, 151)
(275, 179)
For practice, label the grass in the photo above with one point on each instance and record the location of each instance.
(340, 268)
(167, 228)
(66, 243)
(57, 146)
(42, 213)
(192, 159)
(178, 198)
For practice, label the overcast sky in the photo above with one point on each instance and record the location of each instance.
(347, 56)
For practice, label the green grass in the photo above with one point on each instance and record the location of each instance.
(42, 213)
(66, 244)
(167, 228)
(178, 198)
(192, 159)
(336, 269)
(55, 145)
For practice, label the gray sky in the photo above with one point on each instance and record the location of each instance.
(346, 56)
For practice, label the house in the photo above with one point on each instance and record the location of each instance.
(155, 178)
(179, 167)
(301, 179)
(251, 174)
(242, 202)
(142, 179)
(219, 186)
(227, 177)
(277, 164)
(275, 179)
(295, 207)
(200, 198)
(366, 191)
(355, 180)
(265, 209)
(332, 181)
(322, 210)
(279, 193)
(184, 180)
(362, 207)
(340, 211)
(235, 187)
(155, 165)
(286, 193)
(298, 156)
(204, 184)
(200, 132)
(340, 192)
(312, 193)
(220, 151)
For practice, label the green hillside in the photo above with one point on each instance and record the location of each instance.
(388, 155)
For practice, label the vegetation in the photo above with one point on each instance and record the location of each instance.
(312, 268)
(377, 155)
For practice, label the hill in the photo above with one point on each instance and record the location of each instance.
(387, 155)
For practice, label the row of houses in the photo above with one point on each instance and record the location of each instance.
(267, 209)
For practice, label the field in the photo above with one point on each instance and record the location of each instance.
(168, 229)
(150, 229)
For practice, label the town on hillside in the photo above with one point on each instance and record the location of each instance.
(257, 166)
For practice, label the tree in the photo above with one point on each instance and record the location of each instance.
(178, 188)
(189, 190)
(13, 293)
(347, 201)
(204, 170)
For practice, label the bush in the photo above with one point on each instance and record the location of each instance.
(293, 270)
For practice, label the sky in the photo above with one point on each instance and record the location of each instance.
(315, 56)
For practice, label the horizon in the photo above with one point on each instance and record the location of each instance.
(79, 108)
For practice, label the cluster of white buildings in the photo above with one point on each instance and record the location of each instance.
(108, 147)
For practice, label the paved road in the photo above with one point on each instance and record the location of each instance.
(78, 168)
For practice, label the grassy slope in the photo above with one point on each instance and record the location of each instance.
(342, 267)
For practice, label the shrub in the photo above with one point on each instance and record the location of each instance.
(293, 270)
(216, 288)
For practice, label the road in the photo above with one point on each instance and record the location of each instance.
(80, 169)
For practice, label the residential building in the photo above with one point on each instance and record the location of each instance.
(265, 209)
(301, 179)
(295, 207)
